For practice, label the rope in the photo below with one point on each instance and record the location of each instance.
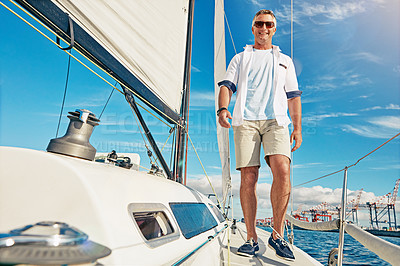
(352, 164)
(65, 93)
(173, 148)
(144, 140)
(147, 110)
(209, 181)
(144, 167)
(230, 33)
(165, 143)
(109, 97)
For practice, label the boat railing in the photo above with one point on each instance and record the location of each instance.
(384, 249)
(320, 226)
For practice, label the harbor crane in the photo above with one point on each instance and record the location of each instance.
(387, 205)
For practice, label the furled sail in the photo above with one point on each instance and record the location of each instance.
(148, 38)
(219, 72)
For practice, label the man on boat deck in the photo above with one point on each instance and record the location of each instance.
(266, 85)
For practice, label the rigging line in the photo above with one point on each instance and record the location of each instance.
(173, 147)
(375, 150)
(229, 29)
(65, 94)
(165, 143)
(208, 178)
(398, 134)
(144, 108)
(291, 29)
(144, 140)
(44, 35)
(109, 97)
(319, 178)
(144, 167)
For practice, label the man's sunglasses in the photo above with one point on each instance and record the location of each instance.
(268, 24)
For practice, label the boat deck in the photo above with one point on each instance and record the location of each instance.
(265, 256)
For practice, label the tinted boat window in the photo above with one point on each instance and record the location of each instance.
(153, 224)
(193, 218)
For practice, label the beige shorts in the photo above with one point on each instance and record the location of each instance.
(249, 136)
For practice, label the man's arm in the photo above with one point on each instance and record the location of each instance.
(294, 105)
(224, 98)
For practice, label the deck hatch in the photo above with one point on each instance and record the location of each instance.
(193, 218)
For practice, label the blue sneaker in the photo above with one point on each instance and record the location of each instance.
(281, 248)
(249, 248)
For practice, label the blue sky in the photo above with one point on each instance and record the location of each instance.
(347, 61)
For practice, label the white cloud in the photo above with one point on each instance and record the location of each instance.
(367, 57)
(378, 127)
(386, 121)
(387, 107)
(306, 165)
(256, 3)
(333, 10)
(321, 86)
(327, 12)
(331, 115)
(195, 69)
(203, 96)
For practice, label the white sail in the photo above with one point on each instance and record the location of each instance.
(147, 37)
(219, 72)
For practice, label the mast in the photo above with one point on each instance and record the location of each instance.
(181, 137)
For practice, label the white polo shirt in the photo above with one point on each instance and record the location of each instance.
(285, 84)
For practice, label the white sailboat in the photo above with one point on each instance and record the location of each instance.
(62, 207)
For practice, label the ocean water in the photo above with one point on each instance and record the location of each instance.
(318, 244)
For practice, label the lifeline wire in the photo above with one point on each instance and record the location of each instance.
(352, 164)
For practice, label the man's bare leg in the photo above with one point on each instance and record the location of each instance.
(280, 190)
(248, 199)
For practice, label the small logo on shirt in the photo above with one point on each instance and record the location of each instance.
(282, 65)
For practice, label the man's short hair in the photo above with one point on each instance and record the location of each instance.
(264, 12)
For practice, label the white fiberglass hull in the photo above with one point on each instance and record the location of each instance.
(96, 198)
(93, 197)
